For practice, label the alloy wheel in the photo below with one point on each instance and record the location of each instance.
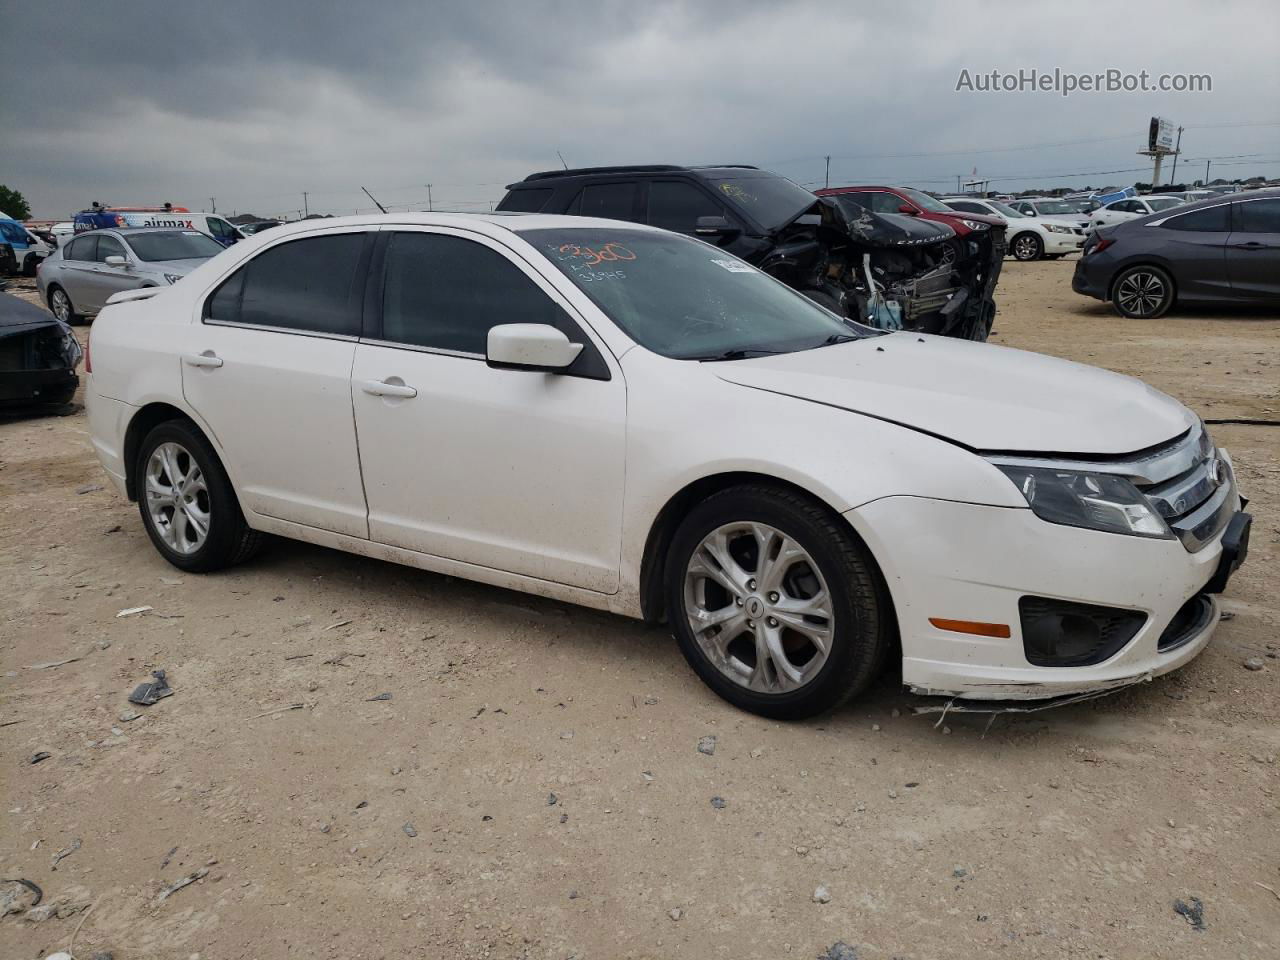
(61, 306)
(1140, 294)
(758, 607)
(177, 498)
(1026, 248)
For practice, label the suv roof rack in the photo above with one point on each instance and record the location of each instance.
(628, 168)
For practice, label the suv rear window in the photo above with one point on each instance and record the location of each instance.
(526, 201)
(613, 201)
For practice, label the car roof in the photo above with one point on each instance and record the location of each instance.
(491, 223)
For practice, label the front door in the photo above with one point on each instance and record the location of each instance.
(105, 279)
(1253, 250)
(268, 370)
(512, 470)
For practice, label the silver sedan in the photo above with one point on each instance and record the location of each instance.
(77, 280)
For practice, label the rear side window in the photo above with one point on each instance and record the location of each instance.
(313, 285)
(613, 201)
(1208, 220)
(1259, 216)
(526, 201)
(83, 248)
(677, 205)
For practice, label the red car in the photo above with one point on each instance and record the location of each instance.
(915, 203)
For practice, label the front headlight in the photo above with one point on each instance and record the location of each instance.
(173, 277)
(976, 225)
(1094, 501)
(1057, 228)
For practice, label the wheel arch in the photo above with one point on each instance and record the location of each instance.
(678, 506)
(143, 422)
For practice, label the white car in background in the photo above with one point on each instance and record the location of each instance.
(1056, 209)
(637, 421)
(1027, 238)
(1118, 211)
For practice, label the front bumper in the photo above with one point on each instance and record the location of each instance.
(964, 561)
(1060, 243)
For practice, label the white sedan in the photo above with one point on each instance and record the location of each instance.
(1027, 238)
(1118, 211)
(637, 421)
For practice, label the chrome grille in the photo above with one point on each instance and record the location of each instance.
(1198, 499)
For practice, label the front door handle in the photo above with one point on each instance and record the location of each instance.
(385, 388)
(1252, 245)
(206, 359)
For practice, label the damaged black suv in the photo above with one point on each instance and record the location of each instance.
(887, 270)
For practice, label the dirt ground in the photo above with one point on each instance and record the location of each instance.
(533, 786)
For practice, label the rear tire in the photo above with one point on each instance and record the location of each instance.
(61, 307)
(187, 503)
(758, 643)
(1027, 247)
(1142, 293)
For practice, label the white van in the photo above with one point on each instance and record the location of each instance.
(225, 232)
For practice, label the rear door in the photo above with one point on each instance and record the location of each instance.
(80, 262)
(268, 370)
(1253, 250)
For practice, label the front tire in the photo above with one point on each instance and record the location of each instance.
(1027, 247)
(1142, 293)
(774, 602)
(187, 503)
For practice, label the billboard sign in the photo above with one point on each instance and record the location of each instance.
(1160, 135)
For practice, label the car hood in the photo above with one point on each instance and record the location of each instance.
(979, 395)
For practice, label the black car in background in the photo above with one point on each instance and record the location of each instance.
(883, 269)
(1224, 250)
(38, 355)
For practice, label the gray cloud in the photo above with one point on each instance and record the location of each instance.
(252, 103)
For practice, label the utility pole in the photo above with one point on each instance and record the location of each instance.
(958, 183)
(213, 204)
(828, 176)
(306, 209)
(430, 204)
(1206, 173)
(1173, 178)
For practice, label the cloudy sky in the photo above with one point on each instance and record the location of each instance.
(253, 103)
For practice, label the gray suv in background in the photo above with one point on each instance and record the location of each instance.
(1220, 251)
(77, 280)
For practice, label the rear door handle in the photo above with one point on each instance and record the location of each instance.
(206, 359)
(383, 388)
(1252, 245)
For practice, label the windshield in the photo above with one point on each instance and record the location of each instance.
(924, 201)
(1163, 203)
(1050, 207)
(173, 245)
(685, 299)
(1004, 209)
(772, 202)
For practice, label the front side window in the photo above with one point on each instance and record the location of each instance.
(445, 292)
(109, 247)
(1209, 220)
(677, 205)
(312, 285)
(685, 299)
(879, 201)
(1259, 216)
(173, 245)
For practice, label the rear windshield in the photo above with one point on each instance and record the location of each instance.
(173, 245)
(772, 202)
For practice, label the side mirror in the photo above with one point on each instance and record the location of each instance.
(908, 209)
(116, 261)
(530, 346)
(714, 227)
(1030, 211)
